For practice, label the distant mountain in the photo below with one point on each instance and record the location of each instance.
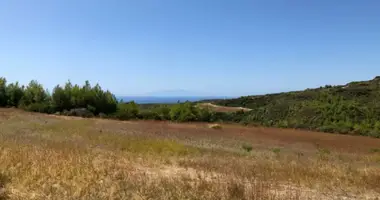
(176, 93)
(164, 99)
(170, 96)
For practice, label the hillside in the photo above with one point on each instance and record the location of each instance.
(353, 108)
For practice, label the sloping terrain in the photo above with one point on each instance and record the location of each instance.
(353, 108)
(59, 157)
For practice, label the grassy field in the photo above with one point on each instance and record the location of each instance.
(55, 157)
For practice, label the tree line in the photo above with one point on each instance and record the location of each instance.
(89, 101)
(34, 97)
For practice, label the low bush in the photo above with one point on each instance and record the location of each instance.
(247, 147)
(375, 150)
(184, 112)
(149, 115)
(276, 150)
(40, 107)
(79, 112)
(127, 111)
(102, 115)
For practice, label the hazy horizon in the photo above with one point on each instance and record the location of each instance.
(163, 99)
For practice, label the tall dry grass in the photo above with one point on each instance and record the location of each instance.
(42, 157)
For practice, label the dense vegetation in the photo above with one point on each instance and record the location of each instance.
(348, 109)
(34, 97)
(88, 101)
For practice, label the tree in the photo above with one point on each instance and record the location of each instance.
(127, 111)
(77, 100)
(183, 112)
(34, 93)
(61, 99)
(3, 95)
(14, 93)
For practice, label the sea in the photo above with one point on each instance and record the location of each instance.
(165, 100)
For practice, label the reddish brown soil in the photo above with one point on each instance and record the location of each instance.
(261, 135)
(254, 135)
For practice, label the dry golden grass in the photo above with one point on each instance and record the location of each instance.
(215, 126)
(49, 157)
(217, 108)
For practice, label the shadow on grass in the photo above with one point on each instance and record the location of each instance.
(3, 181)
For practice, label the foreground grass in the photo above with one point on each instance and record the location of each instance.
(45, 157)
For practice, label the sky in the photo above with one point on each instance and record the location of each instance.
(208, 47)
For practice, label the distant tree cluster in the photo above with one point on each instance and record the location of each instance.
(180, 112)
(94, 99)
(35, 98)
(88, 101)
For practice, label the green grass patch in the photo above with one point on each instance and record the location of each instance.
(247, 147)
(375, 150)
(155, 146)
(276, 151)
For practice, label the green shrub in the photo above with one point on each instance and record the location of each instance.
(149, 115)
(247, 147)
(361, 129)
(163, 112)
(327, 129)
(276, 150)
(374, 133)
(283, 124)
(80, 112)
(40, 107)
(204, 115)
(127, 111)
(183, 112)
(375, 150)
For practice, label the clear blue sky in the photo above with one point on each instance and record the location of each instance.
(214, 47)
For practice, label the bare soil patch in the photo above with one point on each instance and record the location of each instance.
(217, 108)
